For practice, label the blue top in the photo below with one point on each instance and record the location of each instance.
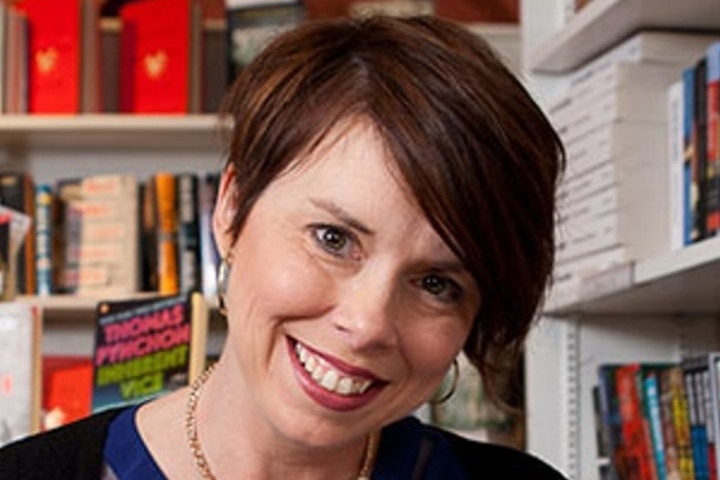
(408, 450)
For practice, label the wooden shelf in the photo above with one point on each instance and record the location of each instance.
(18, 132)
(679, 283)
(604, 23)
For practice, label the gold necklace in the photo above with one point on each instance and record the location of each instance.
(201, 463)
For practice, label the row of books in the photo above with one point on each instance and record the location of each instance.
(115, 234)
(155, 56)
(615, 200)
(143, 348)
(659, 421)
(694, 149)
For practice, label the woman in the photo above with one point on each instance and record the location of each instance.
(388, 201)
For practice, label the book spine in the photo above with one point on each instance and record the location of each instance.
(712, 181)
(697, 427)
(208, 249)
(44, 239)
(188, 232)
(17, 191)
(688, 126)
(652, 408)
(675, 165)
(700, 149)
(167, 233)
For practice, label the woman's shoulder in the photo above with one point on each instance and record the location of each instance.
(439, 450)
(64, 452)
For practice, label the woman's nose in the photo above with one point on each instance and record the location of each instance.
(367, 311)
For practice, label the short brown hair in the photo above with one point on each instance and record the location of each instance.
(474, 149)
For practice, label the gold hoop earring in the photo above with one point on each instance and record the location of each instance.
(440, 399)
(223, 274)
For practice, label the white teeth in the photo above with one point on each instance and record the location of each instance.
(328, 378)
(344, 386)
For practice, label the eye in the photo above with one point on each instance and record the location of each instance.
(443, 288)
(335, 240)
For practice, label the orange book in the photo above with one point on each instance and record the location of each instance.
(160, 56)
(167, 232)
(63, 68)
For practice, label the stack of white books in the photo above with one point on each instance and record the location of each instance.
(613, 202)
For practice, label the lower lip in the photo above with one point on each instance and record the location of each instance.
(330, 400)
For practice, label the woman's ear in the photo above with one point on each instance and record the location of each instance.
(224, 213)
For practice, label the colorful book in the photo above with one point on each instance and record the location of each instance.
(160, 57)
(20, 378)
(712, 169)
(147, 347)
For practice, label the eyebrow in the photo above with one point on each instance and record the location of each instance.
(338, 212)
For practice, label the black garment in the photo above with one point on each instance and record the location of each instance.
(75, 452)
(72, 452)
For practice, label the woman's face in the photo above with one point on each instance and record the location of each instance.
(345, 308)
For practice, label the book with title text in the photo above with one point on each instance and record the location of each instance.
(147, 347)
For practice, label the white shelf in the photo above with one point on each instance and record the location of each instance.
(19, 132)
(603, 23)
(81, 308)
(678, 283)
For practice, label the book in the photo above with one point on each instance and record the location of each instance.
(251, 26)
(44, 213)
(63, 73)
(689, 164)
(166, 214)
(67, 389)
(675, 157)
(17, 191)
(669, 438)
(712, 168)
(16, 53)
(188, 237)
(692, 368)
(101, 216)
(147, 347)
(609, 406)
(209, 256)
(20, 382)
(635, 433)
(15, 226)
(160, 56)
(674, 387)
(699, 166)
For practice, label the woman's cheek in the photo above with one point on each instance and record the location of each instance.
(296, 285)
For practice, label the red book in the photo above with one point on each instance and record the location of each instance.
(67, 389)
(62, 74)
(159, 49)
(635, 433)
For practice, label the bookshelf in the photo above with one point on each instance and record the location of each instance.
(655, 309)
(51, 147)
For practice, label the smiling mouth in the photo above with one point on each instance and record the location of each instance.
(328, 377)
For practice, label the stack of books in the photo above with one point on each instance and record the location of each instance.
(612, 118)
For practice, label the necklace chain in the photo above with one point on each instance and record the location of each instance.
(201, 463)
